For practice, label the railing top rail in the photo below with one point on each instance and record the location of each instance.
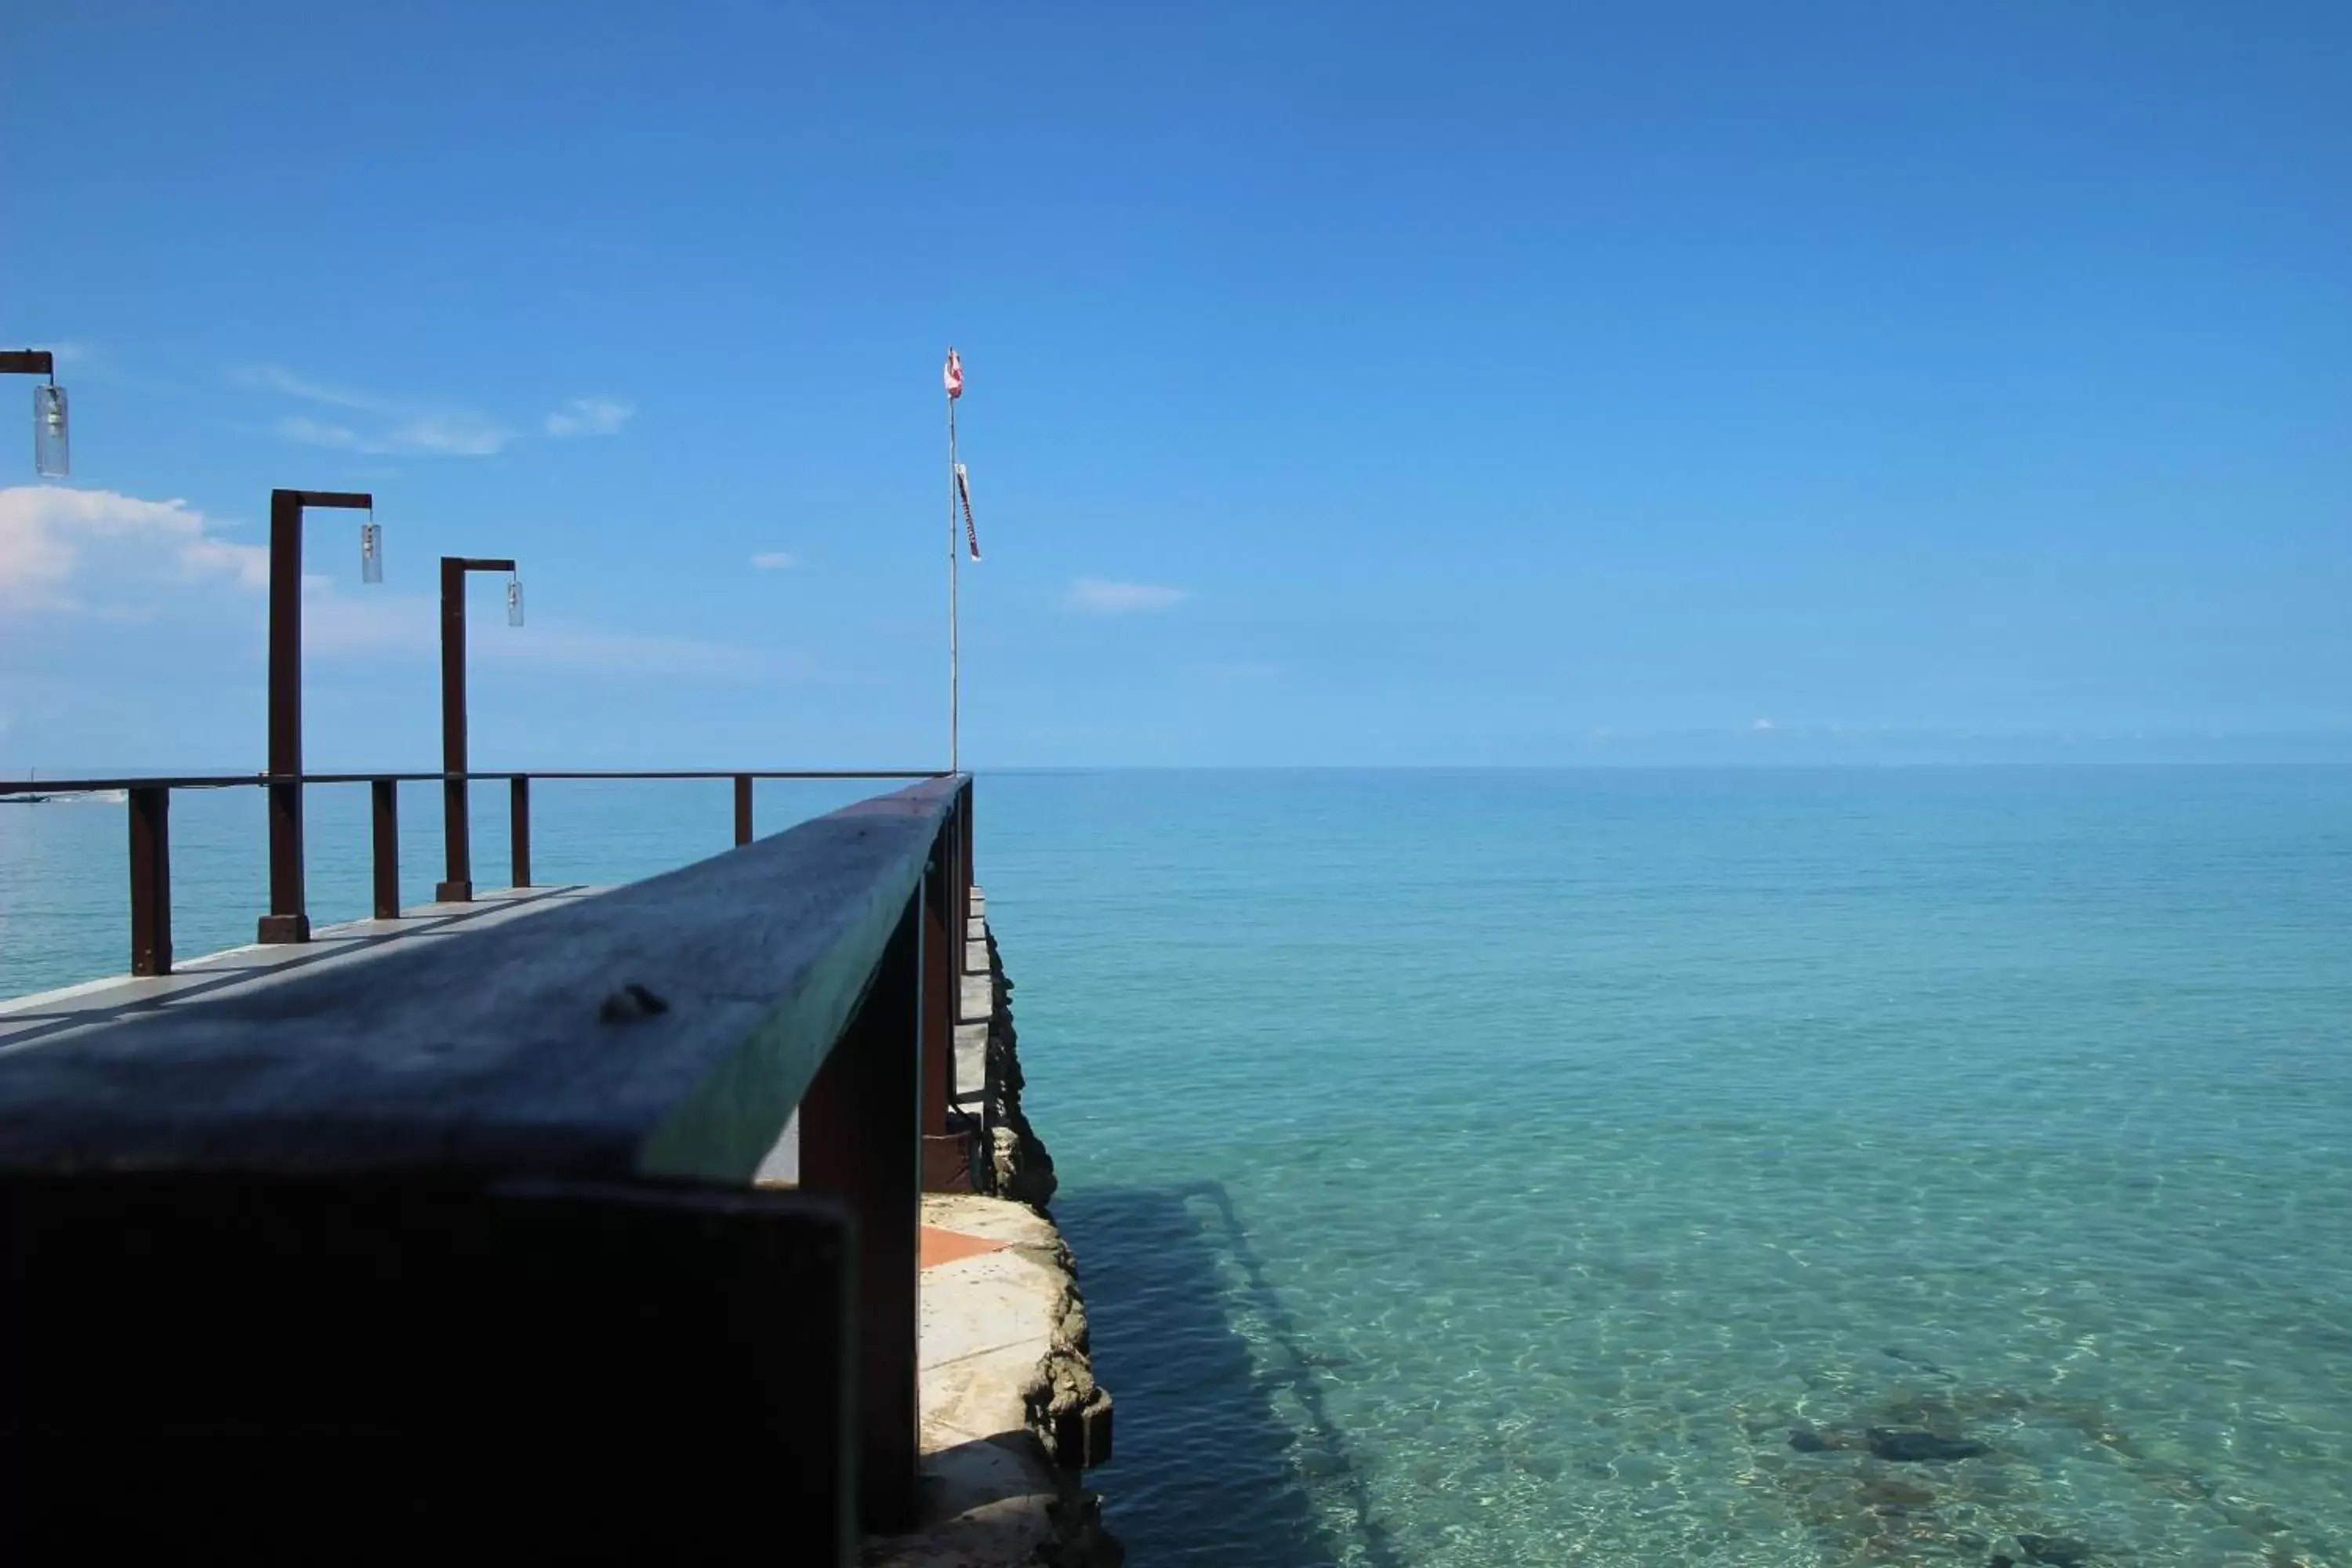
(235, 781)
(518, 1048)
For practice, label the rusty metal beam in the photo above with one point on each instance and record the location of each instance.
(456, 827)
(251, 780)
(151, 881)
(289, 918)
(519, 826)
(383, 801)
(860, 1143)
(946, 1156)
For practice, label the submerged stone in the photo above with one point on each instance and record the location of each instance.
(1921, 1447)
(2058, 1551)
(1805, 1440)
(1896, 1494)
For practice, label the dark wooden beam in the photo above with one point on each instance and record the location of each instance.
(664, 1030)
(249, 1369)
(289, 919)
(860, 1143)
(383, 809)
(518, 829)
(151, 881)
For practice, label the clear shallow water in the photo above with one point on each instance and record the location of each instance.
(1487, 1169)
(1474, 1169)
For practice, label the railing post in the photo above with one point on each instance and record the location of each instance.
(383, 799)
(519, 811)
(742, 809)
(287, 920)
(963, 870)
(861, 1144)
(457, 822)
(151, 881)
(946, 1156)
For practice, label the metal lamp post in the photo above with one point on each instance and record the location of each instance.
(52, 456)
(289, 918)
(456, 828)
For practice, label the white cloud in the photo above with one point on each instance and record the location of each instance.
(433, 436)
(445, 435)
(271, 378)
(367, 624)
(52, 537)
(590, 416)
(1093, 597)
(317, 433)
(62, 548)
(397, 429)
(775, 561)
(624, 653)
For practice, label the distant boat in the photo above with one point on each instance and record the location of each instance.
(27, 799)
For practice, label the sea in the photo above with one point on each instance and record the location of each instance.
(1580, 1167)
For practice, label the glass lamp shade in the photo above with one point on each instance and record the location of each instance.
(371, 551)
(52, 446)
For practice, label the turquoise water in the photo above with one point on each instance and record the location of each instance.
(1477, 1169)
(1498, 1168)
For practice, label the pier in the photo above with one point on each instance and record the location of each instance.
(643, 1220)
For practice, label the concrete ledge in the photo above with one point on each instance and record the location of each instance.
(1011, 1411)
(976, 998)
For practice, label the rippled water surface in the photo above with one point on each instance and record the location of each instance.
(1499, 1168)
(1477, 1169)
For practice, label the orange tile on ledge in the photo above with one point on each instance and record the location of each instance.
(948, 1246)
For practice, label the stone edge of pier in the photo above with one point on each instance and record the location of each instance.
(1012, 1414)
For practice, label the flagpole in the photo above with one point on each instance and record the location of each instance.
(955, 627)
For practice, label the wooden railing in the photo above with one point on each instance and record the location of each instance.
(452, 1244)
(150, 799)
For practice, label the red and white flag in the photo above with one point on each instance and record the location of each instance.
(963, 494)
(953, 374)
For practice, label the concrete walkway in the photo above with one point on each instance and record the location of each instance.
(27, 1019)
(1004, 1365)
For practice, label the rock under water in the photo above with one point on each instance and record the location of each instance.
(1896, 1494)
(1921, 1447)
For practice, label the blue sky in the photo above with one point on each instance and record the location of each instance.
(1361, 384)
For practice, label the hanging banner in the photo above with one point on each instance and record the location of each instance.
(963, 493)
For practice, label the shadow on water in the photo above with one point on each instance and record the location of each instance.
(1226, 1451)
